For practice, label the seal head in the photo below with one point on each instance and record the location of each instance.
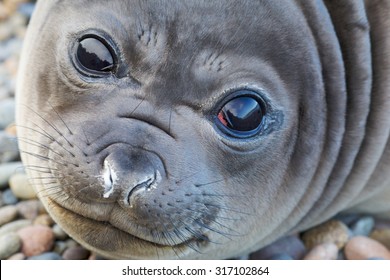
(202, 129)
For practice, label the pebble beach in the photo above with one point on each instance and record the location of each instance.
(27, 232)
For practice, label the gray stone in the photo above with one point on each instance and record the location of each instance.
(27, 9)
(76, 253)
(14, 226)
(7, 170)
(289, 245)
(60, 247)
(281, 256)
(46, 256)
(10, 244)
(347, 219)
(8, 148)
(8, 214)
(363, 226)
(59, 233)
(9, 198)
(7, 112)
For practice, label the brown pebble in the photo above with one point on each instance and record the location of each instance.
(29, 209)
(44, 220)
(382, 236)
(324, 251)
(8, 214)
(36, 240)
(363, 248)
(76, 253)
(92, 256)
(11, 129)
(382, 223)
(17, 256)
(332, 231)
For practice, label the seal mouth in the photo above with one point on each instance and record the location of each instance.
(189, 243)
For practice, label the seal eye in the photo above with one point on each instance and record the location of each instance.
(94, 55)
(242, 116)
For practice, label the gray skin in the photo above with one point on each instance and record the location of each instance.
(133, 165)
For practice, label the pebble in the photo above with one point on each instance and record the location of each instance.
(59, 247)
(14, 226)
(382, 235)
(44, 220)
(29, 209)
(27, 9)
(363, 248)
(21, 186)
(347, 219)
(76, 253)
(4, 13)
(332, 231)
(7, 170)
(8, 148)
(59, 233)
(46, 256)
(8, 214)
(363, 226)
(11, 130)
(17, 257)
(281, 256)
(70, 243)
(290, 245)
(9, 244)
(96, 257)
(7, 112)
(36, 240)
(381, 223)
(9, 198)
(324, 251)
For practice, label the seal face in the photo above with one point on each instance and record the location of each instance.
(190, 129)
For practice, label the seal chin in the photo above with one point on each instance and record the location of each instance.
(113, 241)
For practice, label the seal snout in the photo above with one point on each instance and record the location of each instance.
(127, 174)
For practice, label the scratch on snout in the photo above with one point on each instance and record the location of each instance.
(109, 179)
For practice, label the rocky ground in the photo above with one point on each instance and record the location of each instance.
(28, 232)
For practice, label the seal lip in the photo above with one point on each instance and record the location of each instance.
(189, 243)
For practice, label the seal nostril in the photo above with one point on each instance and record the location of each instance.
(147, 184)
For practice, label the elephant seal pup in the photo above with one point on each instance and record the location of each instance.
(204, 129)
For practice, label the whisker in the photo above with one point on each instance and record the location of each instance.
(39, 145)
(226, 209)
(50, 124)
(62, 120)
(48, 136)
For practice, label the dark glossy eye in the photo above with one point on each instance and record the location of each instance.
(94, 55)
(242, 116)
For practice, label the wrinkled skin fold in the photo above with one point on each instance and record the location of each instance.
(132, 164)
